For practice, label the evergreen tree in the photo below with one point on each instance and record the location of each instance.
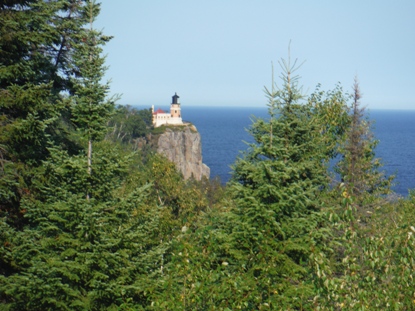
(254, 252)
(90, 109)
(108, 252)
(359, 169)
(78, 254)
(364, 259)
(276, 188)
(69, 253)
(37, 39)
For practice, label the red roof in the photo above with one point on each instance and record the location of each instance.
(158, 111)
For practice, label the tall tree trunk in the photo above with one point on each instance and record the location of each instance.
(89, 163)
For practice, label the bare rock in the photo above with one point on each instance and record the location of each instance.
(182, 145)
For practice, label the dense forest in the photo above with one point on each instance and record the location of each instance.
(90, 221)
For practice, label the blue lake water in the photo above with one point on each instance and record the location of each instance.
(223, 131)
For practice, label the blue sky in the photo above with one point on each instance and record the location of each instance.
(219, 52)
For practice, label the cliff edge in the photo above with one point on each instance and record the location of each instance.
(182, 145)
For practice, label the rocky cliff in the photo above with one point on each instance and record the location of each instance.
(182, 145)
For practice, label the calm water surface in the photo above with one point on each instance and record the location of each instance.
(224, 136)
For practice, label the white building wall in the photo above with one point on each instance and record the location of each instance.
(166, 119)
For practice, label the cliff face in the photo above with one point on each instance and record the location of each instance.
(183, 147)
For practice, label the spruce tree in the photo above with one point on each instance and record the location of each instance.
(276, 188)
(359, 169)
(254, 252)
(37, 42)
(37, 39)
(364, 261)
(69, 253)
(108, 252)
(90, 108)
(77, 254)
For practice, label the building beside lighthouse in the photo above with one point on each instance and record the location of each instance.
(161, 117)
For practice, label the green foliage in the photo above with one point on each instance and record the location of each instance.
(213, 189)
(79, 254)
(359, 169)
(183, 200)
(37, 39)
(372, 267)
(368, 266)
(128, 123)
(253, 252)
(330, 108)
(90, 110)
(122, 230)
(276, 187)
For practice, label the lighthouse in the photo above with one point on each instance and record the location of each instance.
(175, 111)
(164, 118)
